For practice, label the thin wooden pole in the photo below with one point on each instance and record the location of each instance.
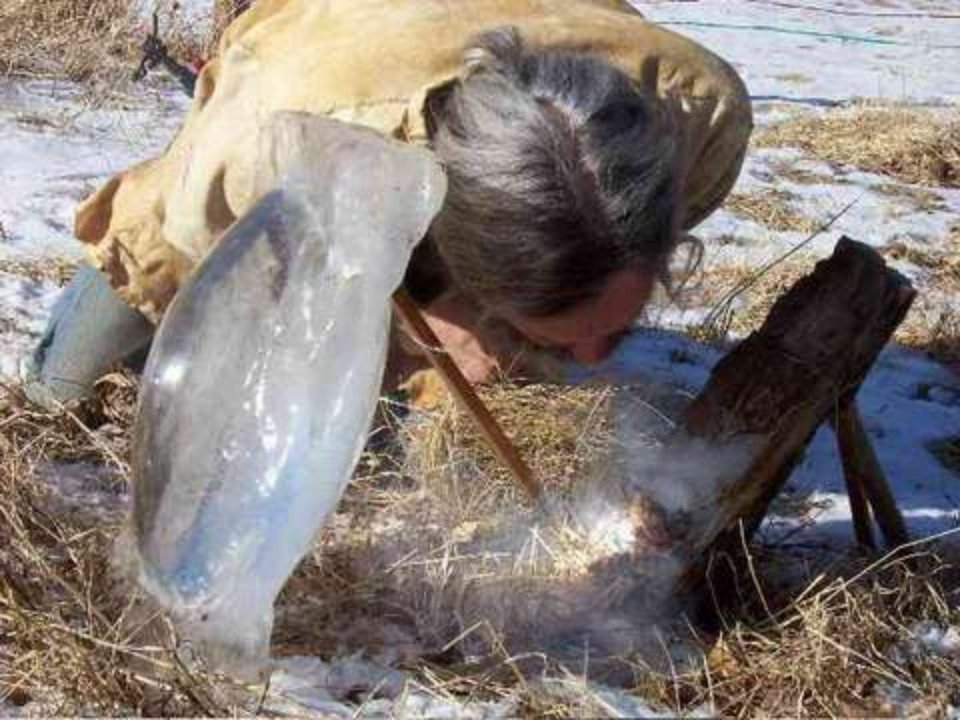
(859, 509)
(464, 394)
(858, 455)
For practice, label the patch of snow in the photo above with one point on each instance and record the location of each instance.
(309, 687)
(869, 215)
(902, 423)
(650, 356)
(24, 307)
(57, 148)
(785, 54)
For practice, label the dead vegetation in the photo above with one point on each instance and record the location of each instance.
(934, 330)
(933, 324)
(73, 635)
(91, 41)
(740, 297)
(55, 269)
(917, 199)
(940, 259)
(846, 646)
(558, 431)
(65, 639)
(484, 568)
(772, 208)
(77, 39)
(778, 169)
(794, 78)
(930, 326)
(915, 145)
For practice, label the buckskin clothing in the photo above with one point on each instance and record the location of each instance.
(373, 62)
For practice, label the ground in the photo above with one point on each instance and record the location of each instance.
(830, 82)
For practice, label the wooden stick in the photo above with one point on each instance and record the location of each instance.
(858, 454)
(859, 508)
(464, 394)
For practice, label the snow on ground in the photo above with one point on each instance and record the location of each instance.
(891, 50)
(877, 214)
(908, 403)
(816, 53)
(801, 56)
(57, 147)
(787, 72)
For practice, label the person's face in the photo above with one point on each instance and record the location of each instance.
(590, 331)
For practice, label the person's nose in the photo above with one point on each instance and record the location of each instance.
(590, 352)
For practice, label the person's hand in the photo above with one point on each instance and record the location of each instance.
(455, 320)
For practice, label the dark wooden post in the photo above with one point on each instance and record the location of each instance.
(782, 382)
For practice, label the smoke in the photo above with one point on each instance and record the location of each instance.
(587, 580)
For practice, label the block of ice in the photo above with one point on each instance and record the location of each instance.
(263, 378)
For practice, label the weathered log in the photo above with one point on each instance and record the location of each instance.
(774, 389)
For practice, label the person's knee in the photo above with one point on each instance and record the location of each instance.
(90, 331)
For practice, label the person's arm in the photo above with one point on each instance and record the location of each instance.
(711, 105)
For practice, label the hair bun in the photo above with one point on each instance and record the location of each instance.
(500, 50)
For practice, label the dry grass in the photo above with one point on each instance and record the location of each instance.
(741, 298)
(918, 199)
(794, 78)
(93, 41)
(915, 145)
(930, 326)
(77, 39)
(484, 567)
(57, 270)
(941, 260)
(933, 329)
(740, 315)
(772, 208)
(73, 635)
(840, 648)
(558, 430)
(779, 169)
(933, 325)
(831, 646)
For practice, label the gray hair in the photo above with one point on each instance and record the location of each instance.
(561, 171)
